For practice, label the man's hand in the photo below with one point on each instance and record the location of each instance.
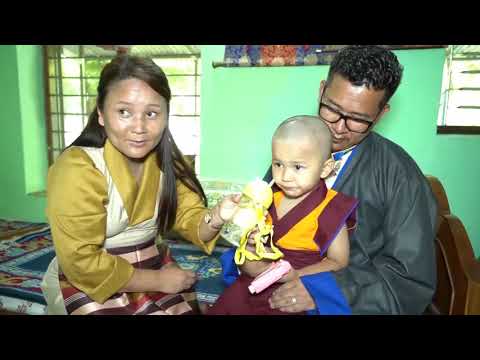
(292, 297)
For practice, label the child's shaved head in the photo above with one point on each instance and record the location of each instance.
(306, 129)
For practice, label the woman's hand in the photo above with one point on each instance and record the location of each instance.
(173, 279)
(218, 216)
(224, 211)
(228, 207)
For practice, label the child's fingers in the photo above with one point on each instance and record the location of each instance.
(251, 237)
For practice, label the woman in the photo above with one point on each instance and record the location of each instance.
(119, 184)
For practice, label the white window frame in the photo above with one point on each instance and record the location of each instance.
(459, 111)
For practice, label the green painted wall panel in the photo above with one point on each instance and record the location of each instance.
(22, 141)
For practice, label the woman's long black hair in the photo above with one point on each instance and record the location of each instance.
(170, 160)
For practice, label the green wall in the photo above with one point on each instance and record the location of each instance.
(23, 140)
(241, 107)
(32, 110)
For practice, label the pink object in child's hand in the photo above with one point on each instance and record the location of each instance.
(269, 276)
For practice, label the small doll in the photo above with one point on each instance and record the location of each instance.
(257, 196)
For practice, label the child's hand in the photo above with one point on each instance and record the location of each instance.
(291, 275)
(253, 268)
(251, 246)
(251, 236)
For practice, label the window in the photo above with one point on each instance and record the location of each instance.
(460, 99)
(72, 76)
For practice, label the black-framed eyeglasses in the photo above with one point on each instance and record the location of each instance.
(332, 116)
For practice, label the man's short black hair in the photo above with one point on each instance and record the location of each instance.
(370, 65)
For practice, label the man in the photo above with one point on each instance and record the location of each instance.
(392, 266)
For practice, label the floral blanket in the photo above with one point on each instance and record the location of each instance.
(24, 257)
(26, 249)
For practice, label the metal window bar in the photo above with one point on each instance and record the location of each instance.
(82, 87)
(75, 77)
(60, 91)
(46, 88)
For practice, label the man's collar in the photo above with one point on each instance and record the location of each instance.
(339, 154)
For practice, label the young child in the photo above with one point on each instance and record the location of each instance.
(309, 221)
